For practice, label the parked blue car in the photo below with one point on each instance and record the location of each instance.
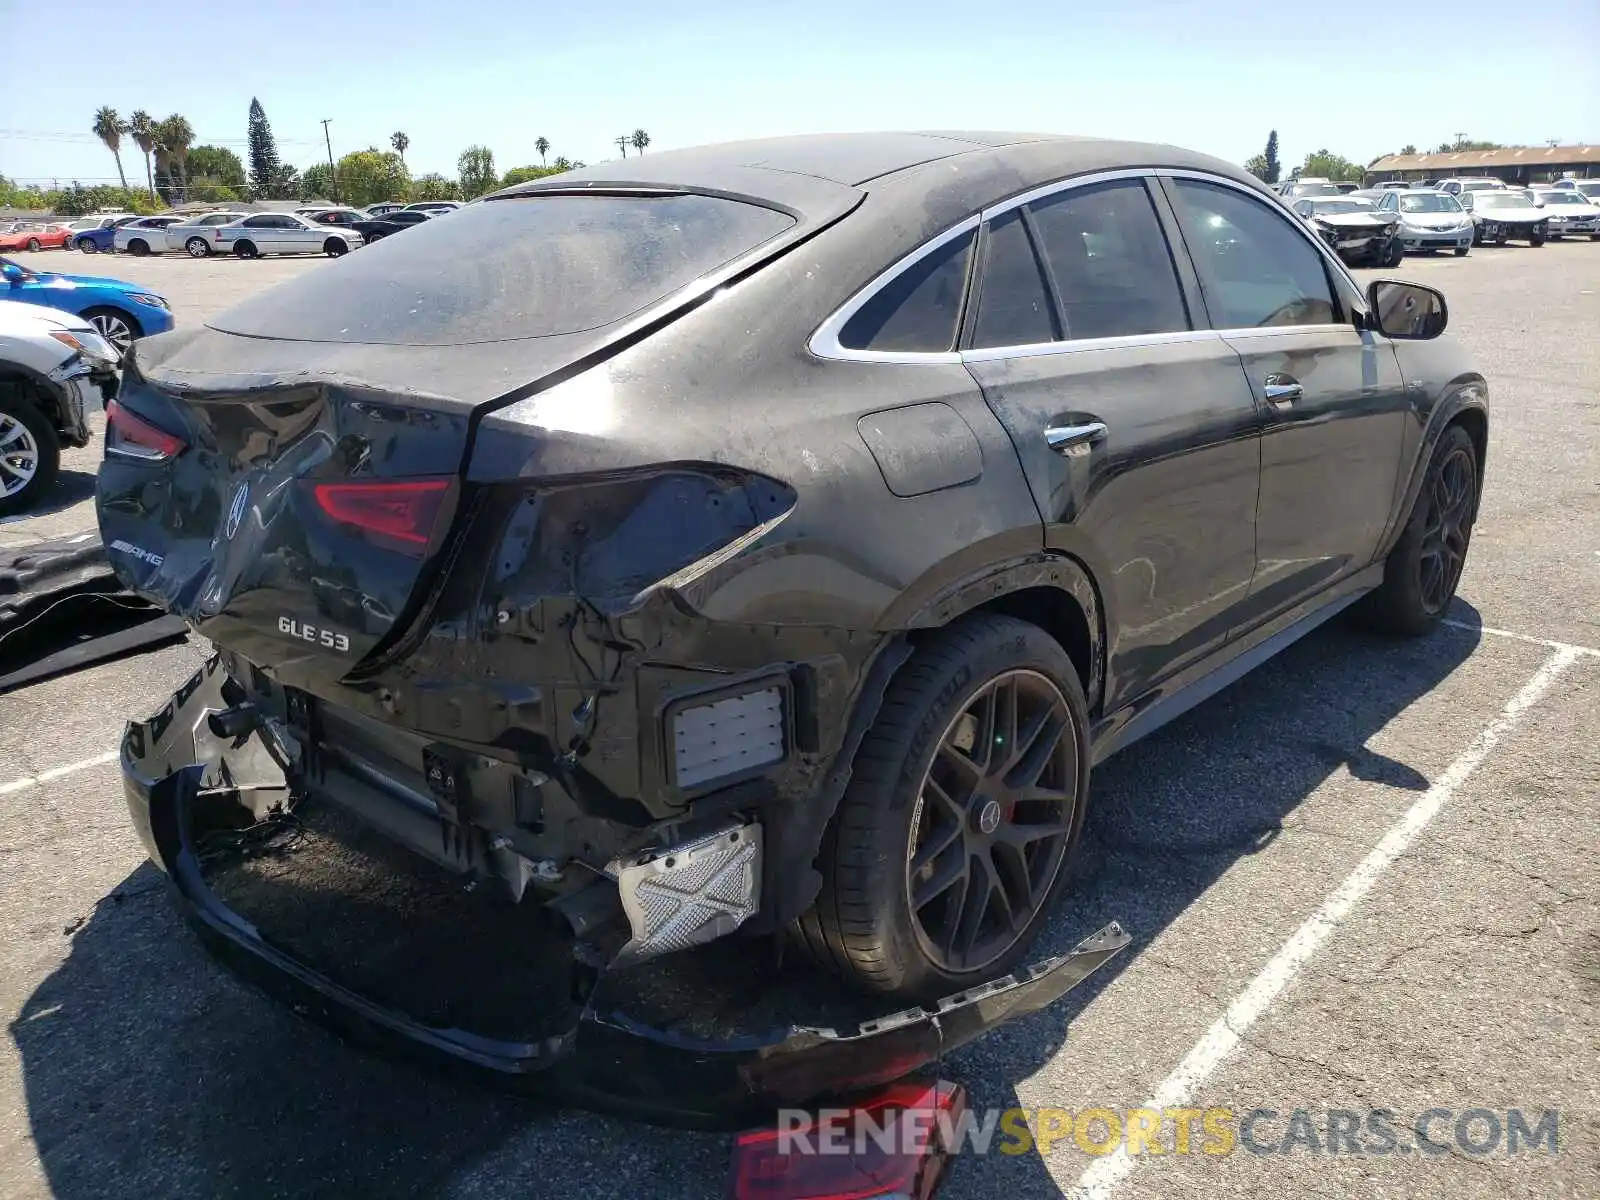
(121, 311)
(98, 241)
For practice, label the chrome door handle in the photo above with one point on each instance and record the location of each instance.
(1074, 440)
(1282, 391)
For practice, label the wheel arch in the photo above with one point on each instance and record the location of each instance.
(46, 396)
(1463, 402)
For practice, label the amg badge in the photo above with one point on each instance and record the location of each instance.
(328, 639)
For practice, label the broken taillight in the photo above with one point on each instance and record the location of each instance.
(399, 515)
(895, 1143)
(133, 437)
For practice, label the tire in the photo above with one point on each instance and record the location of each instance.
(33, 245)
(1594, 237)
(246, 250)
(1461, 251)
(335, 247)
(374, 237)
(28, 447)
(197, 247)
(1405, 603)
(1536, 239)
(864, 924)
(1397, 255)
(87, 246)
(138, 247)
(1500, 239)
(117, 327)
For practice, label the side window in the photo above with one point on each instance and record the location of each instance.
(919, 308)
(1109, 262)
(1256, 267)
(259, 222)
(1390, 202)
(1013, 309)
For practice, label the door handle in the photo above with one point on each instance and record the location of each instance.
(1075, 440)
(1282, 391)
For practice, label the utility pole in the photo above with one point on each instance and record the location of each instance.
(622, 144)
(1460, 137)
(333, 171)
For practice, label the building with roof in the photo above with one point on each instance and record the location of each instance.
(1514, 164)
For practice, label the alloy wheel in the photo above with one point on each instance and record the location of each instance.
(1448, 529)
(992, 821)
(19, 455)
(114, 329)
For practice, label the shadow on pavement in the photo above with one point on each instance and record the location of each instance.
(70, 487)
(149, 1071)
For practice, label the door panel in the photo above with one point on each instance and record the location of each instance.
(1163, 507)
(1330, 456)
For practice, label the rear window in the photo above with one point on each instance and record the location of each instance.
(533, 266)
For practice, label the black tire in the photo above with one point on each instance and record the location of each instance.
(1537, 239)
(246, 250)
(197, 247)
(1461, 251)
(88, 246)
(1594, 237)
(863, 925)
(1500, 239)
(138, 247)
(119, 328)
(1404, 604)
(33, 245)
(1397, 255)
(47, 455)
(335, 247)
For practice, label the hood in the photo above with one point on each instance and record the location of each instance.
(57, 279)
(1353, 220)
(1433, 220)
(1522, 212)
(18, 318)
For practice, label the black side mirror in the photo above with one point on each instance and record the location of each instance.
(1407, 311)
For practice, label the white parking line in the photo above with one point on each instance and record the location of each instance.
(1177, 1090)
(16, 785)
(1522, 637)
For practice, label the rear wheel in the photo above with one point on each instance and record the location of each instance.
(87, 246)
(197, 247)
(1461, 251)
(1422, 572)
(334, 247)
(30, 454)
(246, 250)
(138, 247)
(1396, 255)
(116, 326)
(33, 244)
(964, 805)
(1536, 239)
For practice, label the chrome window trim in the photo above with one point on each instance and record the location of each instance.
(1250, 331)
(824, 342)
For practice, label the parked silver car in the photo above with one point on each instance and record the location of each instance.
(193, 235)
(1571, 213)
(147, 235)
(1471, 183)
(283, 233)
(1429, 220)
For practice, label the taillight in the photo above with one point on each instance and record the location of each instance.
(399, 515)
(133, 437)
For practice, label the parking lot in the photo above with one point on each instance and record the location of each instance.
(1363, 878)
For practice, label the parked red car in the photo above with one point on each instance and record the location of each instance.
(31, 235)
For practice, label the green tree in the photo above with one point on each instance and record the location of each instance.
(370, 175)
(434, 186)
(401, 144)
(1466, 144)
(265, 166)
(1408, 148)
(1324, 164)
(518, 175)
(143, 132)
(109, 129)
(639, 139)
(1274, 167)
(176, 135)
(216, 165)
(542, 145)
(316, 182)
(476, 168)
(1257, 165)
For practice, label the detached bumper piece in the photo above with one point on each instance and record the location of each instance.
(665, 1041)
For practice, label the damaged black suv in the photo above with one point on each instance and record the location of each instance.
(771, 536)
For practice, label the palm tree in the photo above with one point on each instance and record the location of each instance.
(622, 144)
(401, 144)
(542, 145)
(109, 129)
(143, 132)
(176, 135)
(639, 140)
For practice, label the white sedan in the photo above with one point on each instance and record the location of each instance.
(1572, 214)
(147, 235)
(192, 235)
(282, 233)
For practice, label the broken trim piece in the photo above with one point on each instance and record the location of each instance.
(603, 1060)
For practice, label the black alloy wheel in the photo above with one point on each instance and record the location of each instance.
(1448, 528)
(991, 821)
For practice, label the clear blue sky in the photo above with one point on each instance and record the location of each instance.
(1357, 78)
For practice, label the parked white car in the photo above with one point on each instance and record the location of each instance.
(436, 207)
(1429, 220)
(1588, 187)
(282, 233)
(54, 368)
(1571, 213)
(1471, 183)
(147, 235)
(192, 234)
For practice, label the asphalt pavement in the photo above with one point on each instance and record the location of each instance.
(1361, 881)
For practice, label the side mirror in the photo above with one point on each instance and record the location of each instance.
(14, 273)
(1407, 311)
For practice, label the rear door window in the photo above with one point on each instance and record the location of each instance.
(526, 266)
(1013, 307)
(919, 309)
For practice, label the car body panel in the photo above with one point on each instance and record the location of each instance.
(24, 234)
(1435, 220)
(83, 293)
(100, 240)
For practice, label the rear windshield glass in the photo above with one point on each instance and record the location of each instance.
(523, 267)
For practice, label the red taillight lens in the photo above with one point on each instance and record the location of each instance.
(134, 437)
(399, 515)
(896, 1143)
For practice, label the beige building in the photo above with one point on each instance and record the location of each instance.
(1514, 164)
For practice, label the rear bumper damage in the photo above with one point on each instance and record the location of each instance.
(181, 775)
